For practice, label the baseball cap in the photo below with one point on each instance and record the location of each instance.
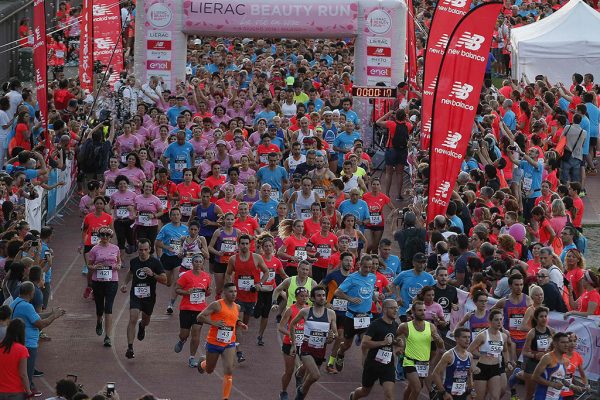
(419, 257)
(221, 142)
(272, 126)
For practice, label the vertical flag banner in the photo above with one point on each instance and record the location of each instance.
(411, 49)
(107, 35)
(40, 59)
(86, 61)
(455, 101)
(445, 17)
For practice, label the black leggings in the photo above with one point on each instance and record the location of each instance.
(147, 232)
(124, 232)
(104, 296)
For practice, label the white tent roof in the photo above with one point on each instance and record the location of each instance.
(571, 32)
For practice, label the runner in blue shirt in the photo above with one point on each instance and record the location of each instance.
(392, 262)
(174, 111)
(344, 141)
(358, 289)
(275, 175)
(357, 207)
(350, 115)
(265, 208)
(179, 156)
(411, 282)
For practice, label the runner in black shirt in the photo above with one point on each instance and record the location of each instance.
(379, 340)
(145, 271)
(445, 295)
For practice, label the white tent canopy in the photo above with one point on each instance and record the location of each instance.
(557, 46)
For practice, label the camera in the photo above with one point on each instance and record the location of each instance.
(110, 389)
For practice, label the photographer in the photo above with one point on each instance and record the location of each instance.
(411, 238)
(94, 151)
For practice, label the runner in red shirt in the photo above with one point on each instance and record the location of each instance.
(313, 224)
(381, 283)
(194, 287)
(246, 224)
(166, 191)
(376, 200)
(294, 248)
(228, 203)
(189, 193)
(264, 149)
(325, 243)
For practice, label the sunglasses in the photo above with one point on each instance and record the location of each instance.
(542, 276)
(105, 235)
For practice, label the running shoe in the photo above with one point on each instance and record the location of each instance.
(169, 310)
(99, 329)
(107, 342)
(199, 367)
(192, 362)
(299, 394)
(87, 292)
(283, 396)
(84, 270)
(37, 374)
(36, 393)
(240, 357)
(512, 381)
(179, 346)
(260, 341)
(141, 331)
(129, 353)
(339, 364)
(331, 369)
(515, 397)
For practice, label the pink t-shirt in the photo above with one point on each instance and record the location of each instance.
(128, 144)
(149, 169)
(110, 176)
(120, 202)
(199, 146)
(86, 205)
(143, 205)
(135, 176)
(143, 134)
(434, 309)
(106, 256)
(159, 147)
(244, 175)
(236, 154)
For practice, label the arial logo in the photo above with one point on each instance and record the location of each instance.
(455, 3)
(101, 9)
(452, 140)
(103, 43)
(442, 190)
(442, 43)
(461, 90)
(470, 41)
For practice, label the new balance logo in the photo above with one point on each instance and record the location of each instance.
(433, 84)
(452, 140)
(442, 190)
(101, 9)
(461, 90)
(380, 51)
(442, 43)
(427, 126)
(160, 45)
(103, 44)
(470, 41)
(455, 3)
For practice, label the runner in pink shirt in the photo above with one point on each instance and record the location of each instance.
(148, 210)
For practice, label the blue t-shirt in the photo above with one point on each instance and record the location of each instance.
(357, 285)
(532, 178)
(393, 263)
(273, 178)
(264, 211)
(510, 119)
(410, 285)
(345, 141)
(24, 310)
(29, 173)
(172, 235)
(458, 223)
(318, 104)
(180, 157)
(594, 113)
(173, 113)
(188, 132)
(350, 116)
(360, 210)
(585, 125)
(45, 253)
(268, 115)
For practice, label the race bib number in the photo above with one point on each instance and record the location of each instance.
(95, 239)
(362, 322)
(176, 246)
(245, 283)
(187, 262)
(264, 159)
(320, 192)
(305, 214)
(298, 339)
(141, 291)
(515, 321)
(122, 212)
(124, 158)
(274, 194)
(447, 317)
(324, 251)
(104, 274)
(186, 209)
(198, 296)
(340, 304)
(198, 161)
(60, 54)
(375, 219)
(271, 276)
(317, 339)
(383, 356)
(353, 244)
(301, 253)
(164, 203)
(543, 344)
(495, 348)
(422, 369)
(145, 219)
(225, 334)
(110, 191)
(458, 388)
(180, 165)
(228, 247)
(553, 393)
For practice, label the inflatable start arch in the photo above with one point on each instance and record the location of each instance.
(378, 26)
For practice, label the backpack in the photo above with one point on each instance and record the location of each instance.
(413, 244)
(91, 156)
(400, 138)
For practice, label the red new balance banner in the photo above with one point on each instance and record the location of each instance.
(86, 62)
(411, 49)
(40, 59)
(455, 101)
(445, 17)
(107, 34)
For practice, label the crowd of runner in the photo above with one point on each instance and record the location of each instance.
(247, 193)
